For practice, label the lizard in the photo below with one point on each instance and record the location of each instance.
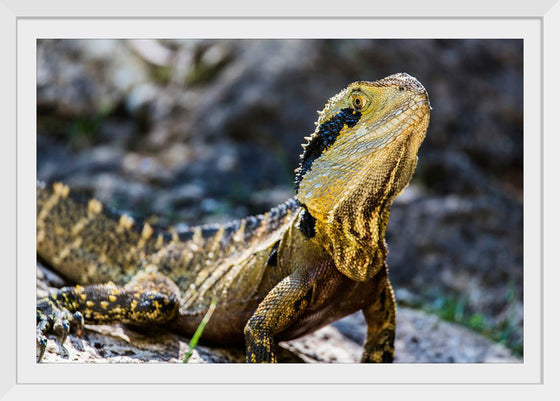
(277, 276)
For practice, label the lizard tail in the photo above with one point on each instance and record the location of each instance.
(85, 243)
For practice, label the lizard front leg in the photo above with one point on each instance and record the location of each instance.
(381, 322)
(149, 298)
(284, 304)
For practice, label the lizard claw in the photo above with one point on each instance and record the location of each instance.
(57, 320)
(41, 346)
(77, 323)
(61, 328)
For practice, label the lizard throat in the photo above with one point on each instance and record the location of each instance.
(323, 138)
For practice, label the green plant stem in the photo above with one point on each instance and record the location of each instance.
(194, 340)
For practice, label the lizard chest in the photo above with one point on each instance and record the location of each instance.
(334, 296)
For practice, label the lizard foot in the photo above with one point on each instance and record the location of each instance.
(57, 320)
(380, 349)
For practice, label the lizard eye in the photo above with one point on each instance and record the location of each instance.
(358, 101)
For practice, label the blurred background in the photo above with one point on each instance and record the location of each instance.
(194, 131)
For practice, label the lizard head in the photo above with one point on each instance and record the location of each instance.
(361, 156)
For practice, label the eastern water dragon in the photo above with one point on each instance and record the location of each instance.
(277, 276)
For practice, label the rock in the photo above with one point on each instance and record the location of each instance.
(471, 247)
(425, 338)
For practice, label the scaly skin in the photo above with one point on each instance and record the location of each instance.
(277, 276)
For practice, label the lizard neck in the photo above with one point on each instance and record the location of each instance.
(351, 222)
(354, 166)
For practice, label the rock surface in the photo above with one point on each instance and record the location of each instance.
(420, 338)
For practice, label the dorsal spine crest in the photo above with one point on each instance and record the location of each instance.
(324, 137)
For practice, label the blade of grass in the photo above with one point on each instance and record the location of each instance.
(194, 340)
